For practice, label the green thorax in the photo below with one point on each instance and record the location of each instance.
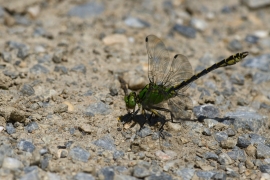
(153, 94)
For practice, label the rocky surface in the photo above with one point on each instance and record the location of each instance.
(60, 97)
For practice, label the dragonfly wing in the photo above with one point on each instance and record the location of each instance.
(158, 59)
(180, 70)
(179, 106)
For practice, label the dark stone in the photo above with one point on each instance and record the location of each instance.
(27, 90)
(186, 31)
(243, 142)
(97, 108)
(31, 127)
(26, 146)
(206, 111)
(79, 68)
(105, 142)
(39, 69)
(10, 128)
(90, 9)
(78, 153)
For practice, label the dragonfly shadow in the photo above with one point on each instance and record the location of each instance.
(140, 119)
(222, 120)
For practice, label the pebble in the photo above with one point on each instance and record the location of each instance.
(90, 9)
(238, 79)
(185, 173)
(221, 136)
(32, 126)
(261, 62)
(61, 69)
(58, 56)
(6, 56)
(220, 176)
(136, 82)
(186, 31)
(140, 172)
(79, 68)
(252, 39)
(143, 132)
(25, 145)
(246, 119)
(263, 151)
(210, 155)
(243, 142)
(123, 177)
(106, 173)
(210, 122)
(118, 154)
(33, 175)
(97, 108)
(256, 138)
(230, 132)
(165, 155)
(115, 39)
(113, 90)
(265, 168)
(11, 163)
(205, 174)
(235, 45)
(207, 110)
(79, 154)
(170, 165)
(228, 144)
(254, 4)
(237, 154)
(224, 159)
(83, 176)
(249, 164)
(11, 74)
(39, 69)
(198, 24)
(207, 132)
(61, 108)
(136, 22)
(27, 90)
(159, 176)
(260, 77)
(106, 143)
(22, 53)
(45, 59)
(10, 128)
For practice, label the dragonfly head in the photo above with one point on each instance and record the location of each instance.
(130, 100)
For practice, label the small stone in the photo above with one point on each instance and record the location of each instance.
(198, 24)
(61, 108)
(238, 79)
(6, 56)
(210, 155)
(61, 69)
(115, 39)
(113, 91)
(220, 176)
(210, 122)
(17, 116)
(159, 176)
(79, 154)
(205, 174)
(31, 127)
(136, 83)
(254, 4)
(228, 144)
(39, 69)
(235, 45)
(140, 172)
(243, 142)
(252, 39)
(106, 173)
(79, 68)
(58, 56)
(255, 138)
(11, 163)
(185, 173)
(97, 108)
(105, 142)
(186, 31)
(83, 176)
(144, 131)
(26, 146)
(230, 132)
(207, 132)
(90, 9)
(136, 22)
(207, 110)
(165, 155)
(224, 159)
(265, 168)
(249, 164)
(263, 151)
(10, 128)
(27, 90)
(87, 128)
(261, 62)
(221, 136)
(118, 154)
(237, 154)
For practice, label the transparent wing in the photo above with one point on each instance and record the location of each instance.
(158, 59)
(179, 107)
(180, 70)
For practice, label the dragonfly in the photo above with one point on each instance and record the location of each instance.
(168, 81)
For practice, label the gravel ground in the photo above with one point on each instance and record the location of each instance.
(60, 97)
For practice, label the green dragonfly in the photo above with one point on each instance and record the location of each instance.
(169, 79)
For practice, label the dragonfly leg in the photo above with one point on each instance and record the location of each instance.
(162, 123)
(146, 119)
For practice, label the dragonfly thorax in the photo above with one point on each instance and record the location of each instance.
(130, 100)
